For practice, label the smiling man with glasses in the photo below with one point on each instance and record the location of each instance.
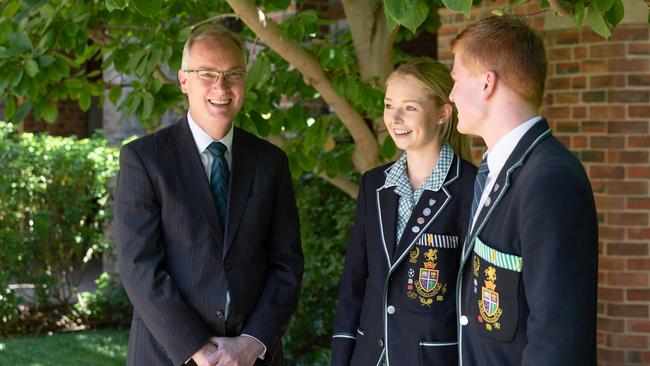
(207, 226)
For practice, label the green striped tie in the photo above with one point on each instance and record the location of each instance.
(219, 178)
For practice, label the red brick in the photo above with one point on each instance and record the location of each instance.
(588, 36)
(638, 141)
(638, 49)
(598, 186)
(594, 66)
(610, 356)
(564, 139)
(610, 263)
(567, 97)
(639, 80)
(567, 127)
(567, 37)
(627, 65)
(627, 310)
(607, 172)
(638, 172)
(634, 203)
(637, 233)
(594, 126)
(579, 52)
(638, 111)
(627, 219)
(639, 326)
(630, 34)
(610, 232)
(579, 112)
(638, 264)
(562, 68)
(607, 202)
(610, 294)
(627, 127)
(557, 112)
(607, 142)
(607, 50)
(607, 81)
(627, 279)
(592, 156)
(593, 96)
(638, 294)
(601, 338)
(606, 112)
(559, 53)
(610, 325)
(579, 82)
(627, 188)
(627, 157)
(624, 341)
(579, 142)
(556, 83)
(628, 96)
(627, 249)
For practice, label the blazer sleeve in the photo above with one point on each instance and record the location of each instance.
(352, 287)
(141, 258)
(279, 298)
(559, 238)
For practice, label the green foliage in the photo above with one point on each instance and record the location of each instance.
(326, 217)
(108, 305)
(53, 195)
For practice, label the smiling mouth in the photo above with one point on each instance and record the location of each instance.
(399, 132)
(219, 102)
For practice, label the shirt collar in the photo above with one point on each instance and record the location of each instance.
(497, 156)
(397, 172)
(202, 139)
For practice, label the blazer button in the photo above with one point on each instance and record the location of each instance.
(463, 320)
(380, 343)
(390, 309)
(219, 314)
(227, 267)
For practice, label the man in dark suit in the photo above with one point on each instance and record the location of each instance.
(207, 225)
(528, 279)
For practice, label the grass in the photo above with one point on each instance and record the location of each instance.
(96, 348)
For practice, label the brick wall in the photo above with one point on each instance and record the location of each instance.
(71, 121)
(598, 104)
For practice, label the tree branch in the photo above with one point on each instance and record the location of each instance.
(556, 5)
(366, 154)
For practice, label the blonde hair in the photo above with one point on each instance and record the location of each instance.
(436, 79)
(511, 49)
(210, 31)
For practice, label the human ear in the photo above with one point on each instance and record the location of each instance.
(182, 78)
(444, 113)
(489, 83)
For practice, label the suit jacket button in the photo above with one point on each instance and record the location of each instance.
(380, 343)
(390, 309)
(463, 320)
(219, 314)
(227, 267)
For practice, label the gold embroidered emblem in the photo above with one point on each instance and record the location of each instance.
(413, 254)
(489, 303)
(477, 265)
(428, 284)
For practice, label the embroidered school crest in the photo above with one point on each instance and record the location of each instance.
(489, 302)
(428, 284)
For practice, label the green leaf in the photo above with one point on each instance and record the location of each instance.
(388, 148)
(20, 42)
(615, 14)
(579, 13)
(390, 22)
(155, 86)
(11, 9)
(49, 112)
(259, 73)
(10, 107)
(147, 106)
(84, 101)
(16, 77)
(148, 8)
(409, 13)
(602, 5)
(262, 125)
(597, 22)
(44, 60)
(462, 6)
(112, 5)
(22, 112)
(276, 4)
(31, 67)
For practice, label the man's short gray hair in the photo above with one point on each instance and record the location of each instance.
(211, 31)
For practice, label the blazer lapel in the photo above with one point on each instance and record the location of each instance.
(387, 201)
(534, 136)
(244, 159)
(194, 178)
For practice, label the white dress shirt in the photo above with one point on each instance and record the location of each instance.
(497, 156)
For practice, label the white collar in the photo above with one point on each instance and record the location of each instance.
(497, 156)
(202, 139)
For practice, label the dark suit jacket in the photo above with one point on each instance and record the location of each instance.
(528, 276)
(400, 301)
(177, 261)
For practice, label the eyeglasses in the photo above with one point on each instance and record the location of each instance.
(213, 76)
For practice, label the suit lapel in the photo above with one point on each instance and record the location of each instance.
(534, 136)
(387, 201)
(242, 169)
(194, 178)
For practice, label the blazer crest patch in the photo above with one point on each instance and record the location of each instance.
(489, 303)
(427, 285)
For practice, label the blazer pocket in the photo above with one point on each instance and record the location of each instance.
(496, 279)
(438, 353)
(431, 271)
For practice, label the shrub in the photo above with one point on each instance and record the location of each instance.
(108, 305)
(53, 194)
(326, 217)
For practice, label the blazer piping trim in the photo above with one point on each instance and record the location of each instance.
(344, 335)
(437, 344)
